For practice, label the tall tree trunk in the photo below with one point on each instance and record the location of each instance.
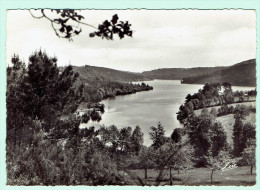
(251, 170)
(170, 176)
(145, 172)
(211, 177)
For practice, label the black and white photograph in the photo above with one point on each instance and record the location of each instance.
(131, 97)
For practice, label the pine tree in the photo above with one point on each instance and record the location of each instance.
(137, 139)
(157, 135)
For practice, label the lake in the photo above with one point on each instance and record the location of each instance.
(148, 108)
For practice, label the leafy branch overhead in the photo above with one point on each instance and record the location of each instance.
(108, 29)
(66, 23)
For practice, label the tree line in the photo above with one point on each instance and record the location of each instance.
(212, 94)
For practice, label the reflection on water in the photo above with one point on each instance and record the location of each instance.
(148, 108)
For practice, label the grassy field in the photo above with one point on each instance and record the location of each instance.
(198, 176)
(228, 122)
(253, 104)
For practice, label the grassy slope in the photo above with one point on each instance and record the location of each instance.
(228, 121)
(241, 74)
(253, 104)
(199, 176)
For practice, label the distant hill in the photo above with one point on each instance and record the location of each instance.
(92, 73)
(180, 73)
(101, 83)
(240, 74)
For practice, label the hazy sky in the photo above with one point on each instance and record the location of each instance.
(161, 39)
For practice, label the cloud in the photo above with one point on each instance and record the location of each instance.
(162, 39)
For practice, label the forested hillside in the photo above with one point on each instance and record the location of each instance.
(100, 83)
(180, 73)
(198, 75)
(241, 74)
(90, 73)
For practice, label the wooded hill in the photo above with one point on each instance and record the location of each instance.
(90, 73)
(101, 83)
(240, 74)
(179, 73)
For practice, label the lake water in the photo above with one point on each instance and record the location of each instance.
(148, 108)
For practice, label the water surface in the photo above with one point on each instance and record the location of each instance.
(148, 108)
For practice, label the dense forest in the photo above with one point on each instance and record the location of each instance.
(38, 96)
(43, 148)
(88, 72)
(212, 94)
(101, 83)
(199, 75)
(231, 74)
(203, 75)
(179, 73)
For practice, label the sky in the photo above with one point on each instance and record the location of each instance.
(161, 39)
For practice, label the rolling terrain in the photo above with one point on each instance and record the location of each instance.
(90, 73)
(240, 74)
(180, 73)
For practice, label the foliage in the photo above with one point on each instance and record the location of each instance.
(208, 96)
(122, 141)
(218, 139)
(225, 110)
(84, 158)
(49, 90)
(137, 140)
(176, 136)
(206, 137)
(46, 148)
(172, 156)
(213, 113)
(184, 113)
(99, 90)
(85, 118)
(157, 135)
(66, 24)
(198, 133)
(108, 29)
(241, 112)
(242, 134)
(219, 162)
(248, 155)
(53, 164)
(38, 92)
(240, 74)
(180, 73)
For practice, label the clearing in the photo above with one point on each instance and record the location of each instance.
(198, 176)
